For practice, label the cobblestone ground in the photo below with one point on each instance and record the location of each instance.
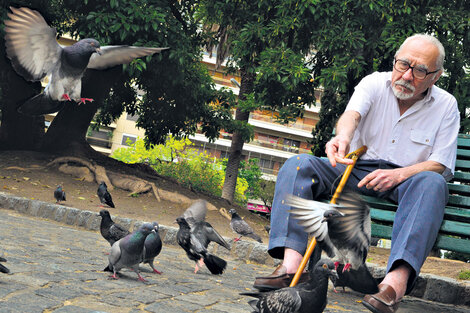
(57, 268)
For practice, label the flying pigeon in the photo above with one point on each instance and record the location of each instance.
(111, 231)
(34, 52)
(195, 248)
(104, 195)
(128, 252)
(309, 296)
(152, 247)
(241, 227)
(3, 268)
(206, 233)
(342, 230)
(59, 194)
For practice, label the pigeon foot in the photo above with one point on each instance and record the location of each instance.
(336, 265)
(84, 100)
(141, 278)
(114, 276)
(66, 97)
(158, 272)
(236, 239)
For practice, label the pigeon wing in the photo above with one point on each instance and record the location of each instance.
(117, 232)
(115, 55)
(213, 235)
(310, 215)
(31, 44)
(196, 211)
(286, 300)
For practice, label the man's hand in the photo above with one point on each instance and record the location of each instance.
(336, 149)
(382, 180)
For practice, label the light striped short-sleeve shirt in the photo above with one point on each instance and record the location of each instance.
(426, 131)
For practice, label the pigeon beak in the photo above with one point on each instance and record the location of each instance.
(98, 50)
(334, 274)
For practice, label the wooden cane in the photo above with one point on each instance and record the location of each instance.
(311, 246)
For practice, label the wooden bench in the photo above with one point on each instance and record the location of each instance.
(454, 234)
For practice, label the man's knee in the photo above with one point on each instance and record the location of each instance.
(431, 181)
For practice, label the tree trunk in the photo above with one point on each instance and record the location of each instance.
(236, 148)
(67, 132)
(17, 131)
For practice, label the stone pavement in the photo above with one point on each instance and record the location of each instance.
(56, 267)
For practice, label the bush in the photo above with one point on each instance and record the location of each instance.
(188, 166)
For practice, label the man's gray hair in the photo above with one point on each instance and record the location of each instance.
(433, 40)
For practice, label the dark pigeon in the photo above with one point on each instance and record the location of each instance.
(34, 52)
(241, 227)
(195, 249)
(128, 252)
(111, 231)
(152, 247)
(104, 195)
(342, 230)
(3, 268)
(59, 194)
(310, 296)
(206, 233)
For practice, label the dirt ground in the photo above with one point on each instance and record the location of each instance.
(24, 173)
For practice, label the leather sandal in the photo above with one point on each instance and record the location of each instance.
(277, 279)
(383, 301)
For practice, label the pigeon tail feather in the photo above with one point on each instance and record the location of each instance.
(39, 105)
(215, 264)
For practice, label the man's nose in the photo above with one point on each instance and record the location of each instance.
(408, 74)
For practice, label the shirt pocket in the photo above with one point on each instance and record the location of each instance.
(421, 137)
(420, 146)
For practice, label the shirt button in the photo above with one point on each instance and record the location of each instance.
(393, 141)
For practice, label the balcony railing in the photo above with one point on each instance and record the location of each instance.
(277, 146)
(269, 119)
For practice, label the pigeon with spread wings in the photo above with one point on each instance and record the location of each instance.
(342, 230)
(34, 52)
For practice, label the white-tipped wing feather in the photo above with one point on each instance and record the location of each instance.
(115, 55)
(310, 215)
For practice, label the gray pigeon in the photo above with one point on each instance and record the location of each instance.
(110, 230)
(128, 252)
(241, 227)
(309, 296)
(342, 230)
(59, 194)
(32, 47)
(152, 247)
(104, 195)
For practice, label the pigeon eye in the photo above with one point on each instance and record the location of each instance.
(325, 266)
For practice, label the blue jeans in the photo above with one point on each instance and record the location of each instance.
(421, 200)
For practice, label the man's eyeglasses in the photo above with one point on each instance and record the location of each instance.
(418, 73)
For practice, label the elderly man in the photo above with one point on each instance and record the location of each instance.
(410, 128)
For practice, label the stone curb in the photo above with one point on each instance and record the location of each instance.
(428, 287)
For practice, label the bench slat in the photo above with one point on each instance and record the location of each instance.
(462, 190)
(459, 201)
(447, 226)
(442, 242)
(461, 177)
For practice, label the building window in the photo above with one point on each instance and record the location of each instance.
(266, 166)
(291, 145)
(132, 117)
(100, 138)
(128, 140)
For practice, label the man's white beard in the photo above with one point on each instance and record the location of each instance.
(400, 94)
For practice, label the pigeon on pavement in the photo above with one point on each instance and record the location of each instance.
(111, 231)
(34, 52)
(104, 195)
(342, 230)
(309, 296)
(194, 246)
(241, 227)
(152, 247)
(3, 268)
(128, 252)
(59, 194)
